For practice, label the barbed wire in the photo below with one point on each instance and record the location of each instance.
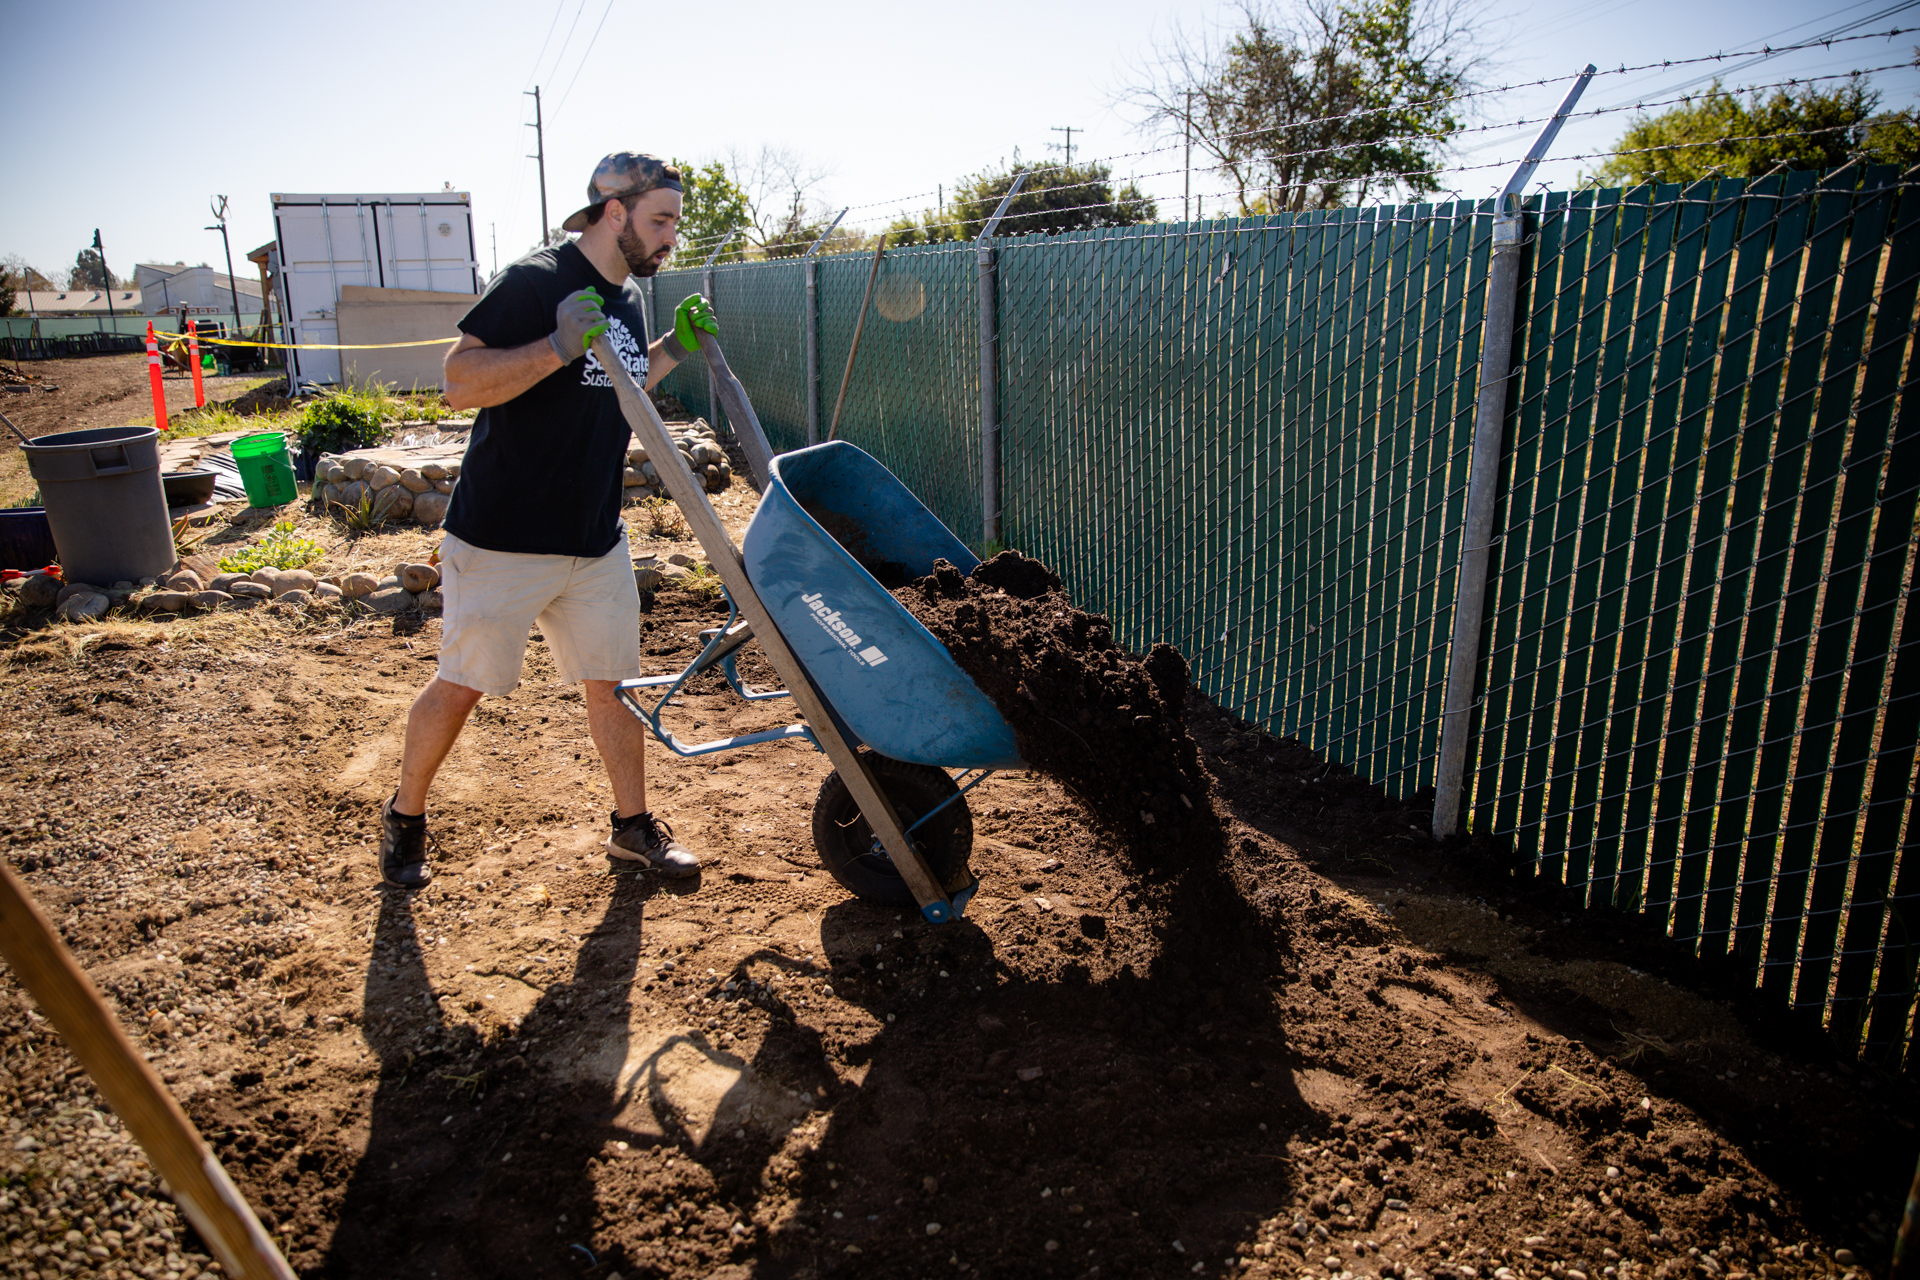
(1125, 202)
(899, 203)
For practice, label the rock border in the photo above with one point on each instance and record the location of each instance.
(421, 495)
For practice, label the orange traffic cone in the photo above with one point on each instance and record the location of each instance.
(153, 376)
(193, 357)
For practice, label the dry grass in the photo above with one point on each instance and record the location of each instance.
(63, 644)
(17, 487)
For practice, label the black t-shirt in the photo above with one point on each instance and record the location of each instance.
(542, 472)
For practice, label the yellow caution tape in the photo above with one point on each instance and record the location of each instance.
(310, 346)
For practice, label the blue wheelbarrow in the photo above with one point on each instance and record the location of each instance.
(908, 731)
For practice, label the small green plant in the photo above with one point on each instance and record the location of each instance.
(702, 581)
(282, 548)
(662, 518)
(345, 421)
(361, 518)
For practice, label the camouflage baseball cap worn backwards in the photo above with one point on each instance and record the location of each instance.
(623, 173)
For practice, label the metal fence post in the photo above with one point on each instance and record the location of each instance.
(812, 324)
(813, 332)
(986, 263)
(1483, 476)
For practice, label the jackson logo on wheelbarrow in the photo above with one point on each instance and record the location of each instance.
(829, 620)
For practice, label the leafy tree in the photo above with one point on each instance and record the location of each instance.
(1353, 98)
(6, 296)
(712, 205)
(930, 227)
(89, 272)
(1719, 133)
(1054, 198)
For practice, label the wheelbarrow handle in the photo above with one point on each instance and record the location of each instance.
(740, 415)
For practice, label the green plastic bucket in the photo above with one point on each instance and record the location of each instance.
(264, 469)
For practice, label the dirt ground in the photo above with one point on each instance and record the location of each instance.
(87, 392)
(1337, 1050)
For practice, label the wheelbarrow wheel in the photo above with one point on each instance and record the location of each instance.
(854, 857)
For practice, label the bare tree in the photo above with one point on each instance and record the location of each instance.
(781, 188)
(16, 270)
(1325, 105)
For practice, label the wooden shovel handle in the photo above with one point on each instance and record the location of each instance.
(131, 1087)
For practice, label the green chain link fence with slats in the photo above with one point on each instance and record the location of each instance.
(1699, 686)
(1249, 443)
(914, 399)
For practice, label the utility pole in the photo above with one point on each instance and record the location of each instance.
(1068, 130)
(1186, 190)
(106, 276)
(493, 229)
(220, 212)
(540, 154)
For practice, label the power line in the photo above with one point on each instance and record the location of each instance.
(561, 56)
(568, 92)
(534, 70)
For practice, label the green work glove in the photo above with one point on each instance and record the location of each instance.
(576, 323)
(694, 313)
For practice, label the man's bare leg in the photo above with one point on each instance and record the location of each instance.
(438, 716)
(621, 741)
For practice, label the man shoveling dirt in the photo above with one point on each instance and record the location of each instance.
(534, 531)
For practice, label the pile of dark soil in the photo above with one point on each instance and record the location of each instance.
(1108, 724)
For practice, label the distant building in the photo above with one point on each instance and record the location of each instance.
(76, 302)
(167, 287)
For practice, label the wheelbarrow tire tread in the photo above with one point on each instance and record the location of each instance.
(844, 841)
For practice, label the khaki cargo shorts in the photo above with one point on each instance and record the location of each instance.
(588, 611)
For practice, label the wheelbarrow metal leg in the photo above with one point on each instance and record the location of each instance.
(714, 539)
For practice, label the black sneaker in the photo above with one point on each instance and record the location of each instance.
(644, 838)
(403, 849)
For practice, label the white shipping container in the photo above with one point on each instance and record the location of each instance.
(421, 241)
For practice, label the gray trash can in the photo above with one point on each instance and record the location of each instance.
(104, 499)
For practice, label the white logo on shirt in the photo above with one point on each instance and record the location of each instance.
(632, 355)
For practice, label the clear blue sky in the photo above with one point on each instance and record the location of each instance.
(889, 99)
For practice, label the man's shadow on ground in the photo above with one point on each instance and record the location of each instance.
(1064, 1121)
(481, 1156)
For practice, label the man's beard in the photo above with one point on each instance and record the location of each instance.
(640, 263)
